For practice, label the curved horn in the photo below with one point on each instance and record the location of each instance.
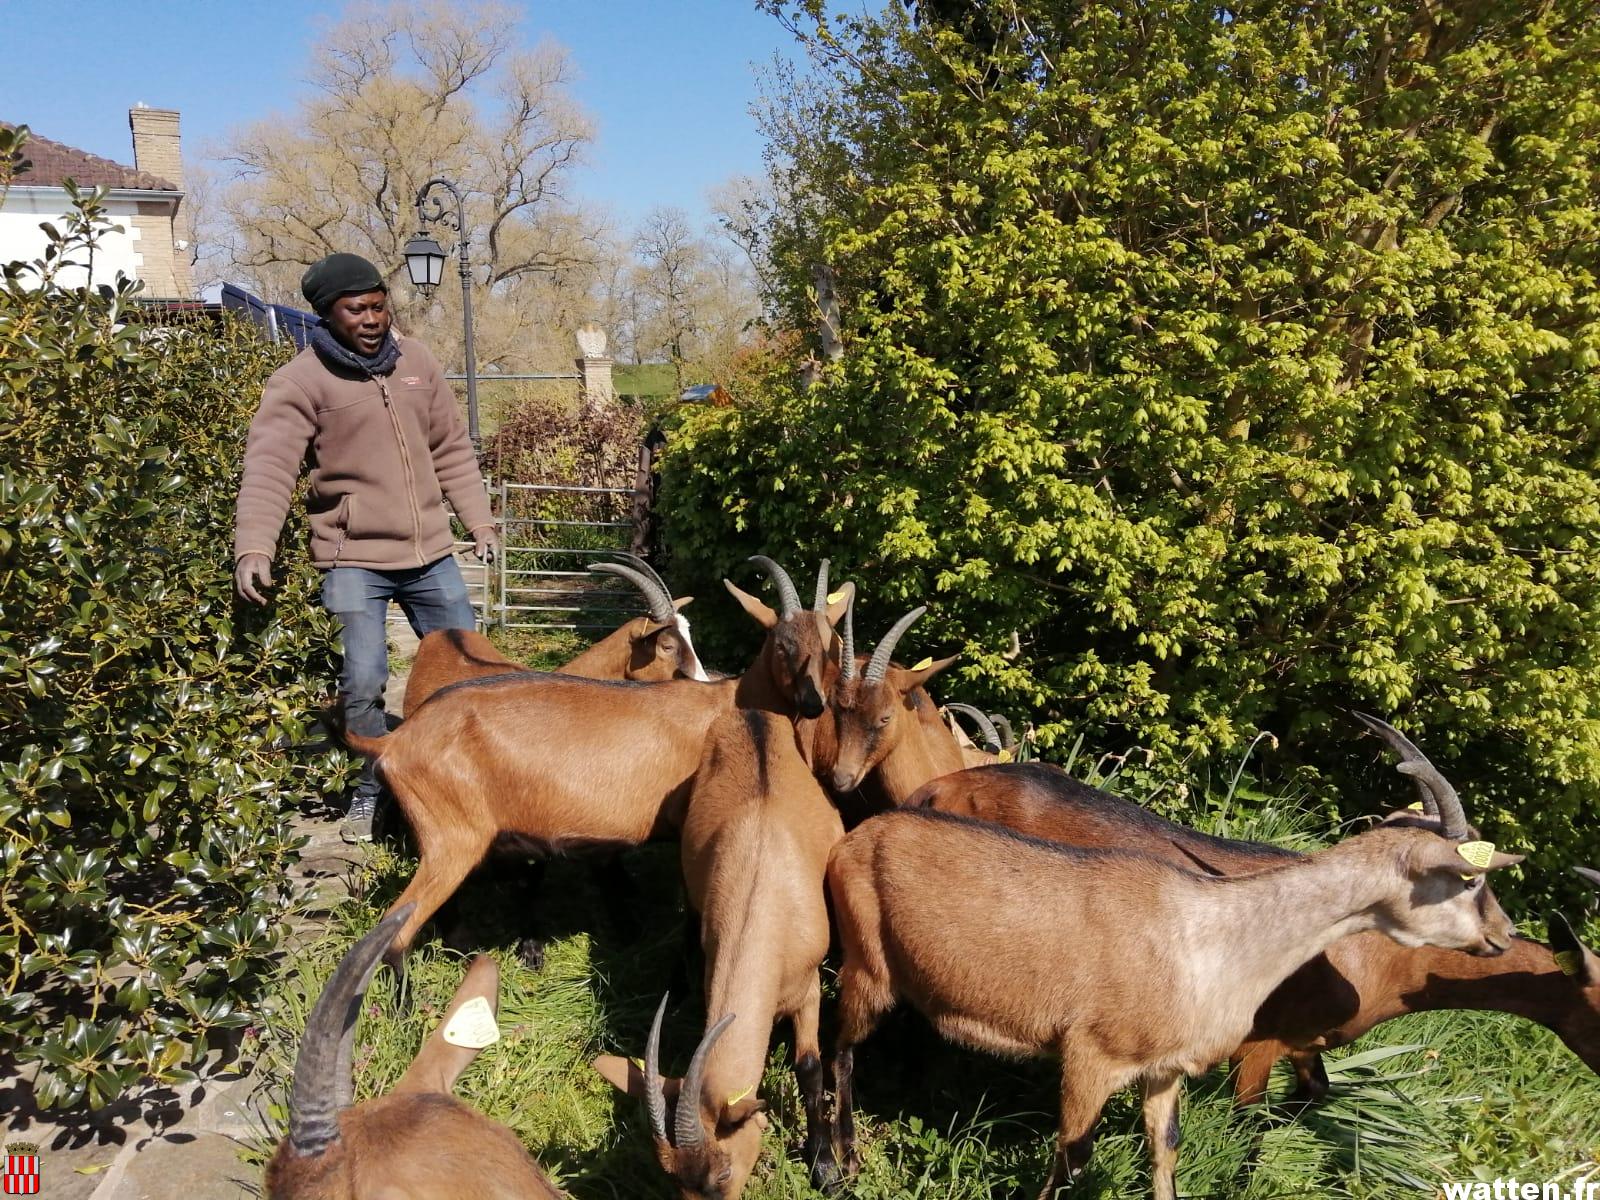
(687, 1127)
(661, 610)
(640, 565)
(788, 598)
(655, 1099)
(1590, 874)
(847, 636)
(1008, 736)
(318, 1092)
(878, 667)
(1447, 805)
(991, 735)
(821, 604)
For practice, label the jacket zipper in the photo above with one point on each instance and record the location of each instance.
(405, 461)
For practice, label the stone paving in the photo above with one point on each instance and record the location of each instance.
(187, 1142)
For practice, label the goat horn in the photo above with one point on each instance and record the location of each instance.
(788, 598)
(318, 1092)
(821, 604)
(655, 1099)
(1407, 751)
(1008, 736)
(878, 667)
(687, 1126)
(1447, 805)
(1590, 874)
(847, 660)
(991, 735)
(661, 610)
(641, 565)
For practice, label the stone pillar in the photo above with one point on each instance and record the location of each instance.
(164, 237)
(595, 389)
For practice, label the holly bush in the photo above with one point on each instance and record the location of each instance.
(144, 790)
(1240, 360)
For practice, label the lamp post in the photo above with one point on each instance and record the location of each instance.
(425, 264)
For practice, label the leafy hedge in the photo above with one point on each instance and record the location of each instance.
(1241, 361)
(144, 801)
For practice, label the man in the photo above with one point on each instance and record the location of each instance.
(386, 446)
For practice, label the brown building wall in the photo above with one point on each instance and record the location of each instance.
(157, 148)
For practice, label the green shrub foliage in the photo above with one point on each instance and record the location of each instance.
(1240, 359)
(143, 793)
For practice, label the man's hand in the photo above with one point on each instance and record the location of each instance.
(488, 544)
(252, 572)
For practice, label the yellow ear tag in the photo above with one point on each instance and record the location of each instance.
(1479, 854)
(473, 1025)
(732, 1100)
(1567, 960)
(835, 597)
(923, 665)
(1004, 756)
(638, 1062)
(1414, 806)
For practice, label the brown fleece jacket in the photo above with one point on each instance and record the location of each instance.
(384, 453)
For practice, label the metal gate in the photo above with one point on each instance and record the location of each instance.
(550, 533)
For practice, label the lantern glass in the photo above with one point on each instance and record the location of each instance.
(424, 263)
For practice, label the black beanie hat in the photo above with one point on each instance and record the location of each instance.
(339, 275)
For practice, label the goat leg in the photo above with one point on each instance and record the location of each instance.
(808, 1070)
(1161, 1131)
(1082, 1098)
(844, 1116)
(1251, 1068)
(1310, 1075)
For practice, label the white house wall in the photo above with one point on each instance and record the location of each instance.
(21, 238)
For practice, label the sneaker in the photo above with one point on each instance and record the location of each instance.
(357, 823)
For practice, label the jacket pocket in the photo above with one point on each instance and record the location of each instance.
(341, 522)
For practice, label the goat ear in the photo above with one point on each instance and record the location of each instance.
(762, 615)
(836, 608)
(627, 1077)
(439, 1063)
(915, 677)
(1572, 956)
(1435, 853)
(681, 603)
(737, 1112)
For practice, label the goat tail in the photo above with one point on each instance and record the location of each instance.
(367, 747)
(322, 1083)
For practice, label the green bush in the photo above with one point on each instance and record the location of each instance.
(144, 798)
(1240, 361)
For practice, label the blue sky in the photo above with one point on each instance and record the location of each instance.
(668, 82)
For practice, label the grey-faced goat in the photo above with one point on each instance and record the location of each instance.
(1128, 968)
(1337, 996)
(416, 1143)
(755, 847)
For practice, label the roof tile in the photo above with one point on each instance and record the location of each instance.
(53, 163)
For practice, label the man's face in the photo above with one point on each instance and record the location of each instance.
(361, 321)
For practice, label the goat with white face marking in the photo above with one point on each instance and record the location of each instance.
(416, 1143)
(547, 764)
(649, 648)
(1054, 948)
(756, 839)
(1335, 997)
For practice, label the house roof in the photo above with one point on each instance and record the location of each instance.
(53, 163)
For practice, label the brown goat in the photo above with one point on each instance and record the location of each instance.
(418, 1142)
(799, 660)
(648, 648)
(1335, 997)
(1054, 949)
(881, 728)
(547, 764)
(755, 848)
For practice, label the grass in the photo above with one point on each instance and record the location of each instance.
(1424, 1098)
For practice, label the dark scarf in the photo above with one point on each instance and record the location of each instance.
(336, 353)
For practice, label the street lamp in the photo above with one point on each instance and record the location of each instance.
(425, 264)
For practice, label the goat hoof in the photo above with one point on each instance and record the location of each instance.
(825, 1173)
(530, 953)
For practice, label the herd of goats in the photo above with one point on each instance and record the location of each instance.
(820, 799)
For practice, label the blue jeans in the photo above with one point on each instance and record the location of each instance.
(432, 597)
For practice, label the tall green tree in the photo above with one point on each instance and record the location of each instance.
(1238, 358)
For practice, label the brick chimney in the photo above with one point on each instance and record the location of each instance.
(156, 142)
(163, 229)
